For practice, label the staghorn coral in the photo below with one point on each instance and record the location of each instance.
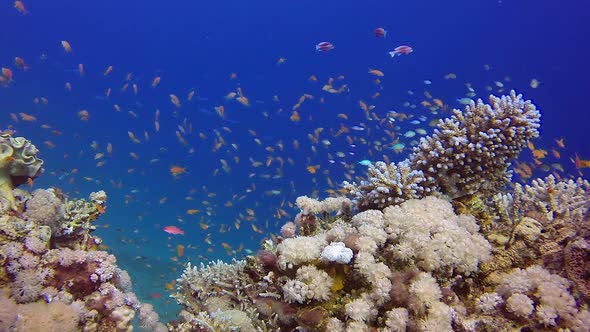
(18, 163)
(557, 199)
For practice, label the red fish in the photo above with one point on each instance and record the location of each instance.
(403, 49)
(380, 32)
(7, 73)
(20, 7)
(20, 63)
(324, 46)
(173, 230)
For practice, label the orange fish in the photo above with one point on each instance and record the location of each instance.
(83, 115)
(581, 163)
(20, 7)
(220, 110)
(192, 211)
(539, 153)
(19, 62)
(156, 81)
(27, 117)
(66, 45)
(174, 100)
(7, 73)
(177, 170)
(295, 116)
(376, 72)
(180, 250)
(108, 70)
(560, 142)
(312, 169)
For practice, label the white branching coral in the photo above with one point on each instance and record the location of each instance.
(467, 153)
(311, 206)
(565, 199)
(198, 283)
(428, 234)
(295, 291)
(555, 199)
(388, 185)
(471, 151)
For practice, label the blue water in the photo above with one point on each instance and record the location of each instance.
(196, 45)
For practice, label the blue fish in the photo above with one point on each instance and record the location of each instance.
(464, 100)
(365, 162)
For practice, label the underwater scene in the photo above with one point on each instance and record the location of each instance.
(294, 165)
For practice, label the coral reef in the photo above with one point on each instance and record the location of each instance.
(435, 245)
(468, 153)
(52, 276)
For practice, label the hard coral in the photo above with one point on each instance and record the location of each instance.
(468, 153)
(471, 151)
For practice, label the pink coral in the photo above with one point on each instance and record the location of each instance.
(44, 208)
(27, 286)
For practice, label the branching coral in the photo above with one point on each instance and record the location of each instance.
(471, 151)
(388, 185)
(468, 153)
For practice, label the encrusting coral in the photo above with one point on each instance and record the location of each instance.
(407, 261)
